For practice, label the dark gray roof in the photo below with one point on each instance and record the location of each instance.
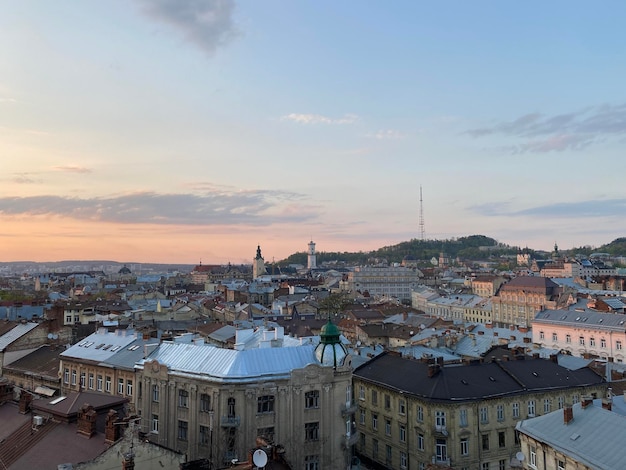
(475, 381)
(578, 319)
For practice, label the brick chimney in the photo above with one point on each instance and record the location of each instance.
(433, 369)
(586, 402)
(87, 420)
(607, 404)
(112, 429)
(568, 414)
(25, 399)
(128, 462)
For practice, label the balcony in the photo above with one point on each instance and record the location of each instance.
(348, 409)
(230, 421)
(438, 460)
(441, 429)
(352, 439)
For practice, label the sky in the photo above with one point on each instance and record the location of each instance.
(186, 131)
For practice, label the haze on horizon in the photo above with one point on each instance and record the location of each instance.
(178, 131)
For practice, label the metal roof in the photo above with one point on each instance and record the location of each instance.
(15, 333)
(586, 318)
(595, 437)
(101, 345)
(226, 365)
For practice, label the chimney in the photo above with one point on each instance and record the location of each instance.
(586, 401)
(607, 404)
(25, 399)
(128, 462)
(568, 414)
(554, 358)
(87, 420)
(112, 429)
(433, 369)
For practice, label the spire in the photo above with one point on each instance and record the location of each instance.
(258, 252)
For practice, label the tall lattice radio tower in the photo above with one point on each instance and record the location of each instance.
(421, 215)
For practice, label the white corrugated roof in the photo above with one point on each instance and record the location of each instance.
(231, 365)
(101, 345)
(16, 333)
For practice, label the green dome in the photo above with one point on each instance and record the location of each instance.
(329, 334)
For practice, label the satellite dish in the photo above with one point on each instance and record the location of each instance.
(55, 336)
(50, 336)
(259, 458)
(358, 343)
(520, 456)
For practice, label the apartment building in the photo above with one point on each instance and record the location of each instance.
(582, 437)
(212, 403)
(390, 281)
(413, 414)
(582, 332)
(517, 301)
(105, 362)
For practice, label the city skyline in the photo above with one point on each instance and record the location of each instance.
(173, 132)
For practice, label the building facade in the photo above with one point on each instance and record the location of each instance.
(391, 281)
(517, 301)
(416, 414)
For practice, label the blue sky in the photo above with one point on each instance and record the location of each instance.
(176, 130)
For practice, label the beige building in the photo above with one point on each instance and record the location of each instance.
(517, 301)
(213, 403)
(390, 281)
(417, 414)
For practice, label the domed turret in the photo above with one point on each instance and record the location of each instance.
(330, 351)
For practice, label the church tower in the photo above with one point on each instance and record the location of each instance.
(258, 264)
(311, 261)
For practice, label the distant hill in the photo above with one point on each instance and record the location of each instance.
(470, 247)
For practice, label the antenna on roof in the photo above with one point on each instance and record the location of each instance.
(421, 215)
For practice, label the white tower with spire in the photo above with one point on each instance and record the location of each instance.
(311, 261)
(258, 264)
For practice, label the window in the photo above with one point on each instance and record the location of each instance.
(107, 385)
(501, 439)
(91, 382)
(155, 424)
(312, 462)
(581, 340)
(205, 402)
(311, 431)
(361, 416)
(82, 380)
(120, 386)
(602, 343)
(575, 399)
(500, 412)
(312, 399)
(531, 408)
(387, 427)
(568, 338)
(68, 319)
(204, 435)
(388, 454)
(420, 442)
(561, 402)
(502, 464)
(555, 337)
(375, 448)
(361, 392)
(99, 383)
(387, 401)
(183, 399)
(182, 430)
(463, 417)
(560, 465)
(129, 388)
(374, 397)
(546, 405)
(374, 421)
(485, 441)
(618, 344)
(420, 414)
(515, 408)
(484, 466)
(401, 407)
(265, 404)
(231, 407)
(440, 420)
(541, 335)
(402, 433)
(155, 393)
(484, 415)
(362, 440)
(533, 457)
(403, 460)
(66, 376)
(441, 450)
(592, 341)
(465, 446)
